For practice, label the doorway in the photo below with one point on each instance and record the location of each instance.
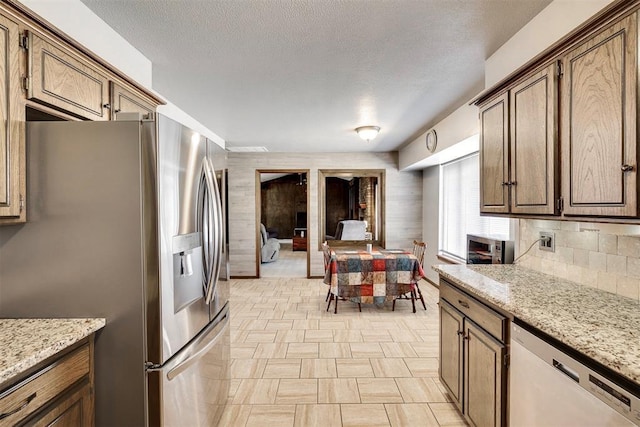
(282, 225)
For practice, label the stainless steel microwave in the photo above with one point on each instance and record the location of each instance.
(485, 249)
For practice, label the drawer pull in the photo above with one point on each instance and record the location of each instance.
(19, 408)
(463, 303)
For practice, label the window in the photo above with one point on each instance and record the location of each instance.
(460, 207)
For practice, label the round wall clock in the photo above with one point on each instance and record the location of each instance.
(432, 140)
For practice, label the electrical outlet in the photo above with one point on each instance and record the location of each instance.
(547, 241)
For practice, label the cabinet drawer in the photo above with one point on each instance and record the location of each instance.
(66, 81)
(492, 321)
(32, 393)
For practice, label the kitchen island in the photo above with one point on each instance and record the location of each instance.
(46, 370)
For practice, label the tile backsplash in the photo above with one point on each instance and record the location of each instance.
(604, 256)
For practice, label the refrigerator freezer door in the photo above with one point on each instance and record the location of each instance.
(194, 384)
(182, 312)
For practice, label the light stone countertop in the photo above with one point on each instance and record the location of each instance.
(598, 324)
(26, 342)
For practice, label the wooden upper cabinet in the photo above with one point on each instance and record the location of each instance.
(125, 101)
(494, 155)
(599, 134)
(67, 81)
(534, 143)
(12, 179)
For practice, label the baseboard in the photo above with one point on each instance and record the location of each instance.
(431, 282)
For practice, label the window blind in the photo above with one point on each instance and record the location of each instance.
(460, 207)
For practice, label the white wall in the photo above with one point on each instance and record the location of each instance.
(550, 25)
(78, 21)
(454, 128)
(431, 222)
(403, 219)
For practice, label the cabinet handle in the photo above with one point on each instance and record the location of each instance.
(463, 303)
(106, 106)
(504, 183)
(19, 408)
(460, 332)
(627, 168)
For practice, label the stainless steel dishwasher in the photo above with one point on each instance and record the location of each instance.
(547, 387)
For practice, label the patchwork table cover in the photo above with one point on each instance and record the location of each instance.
(372, 277)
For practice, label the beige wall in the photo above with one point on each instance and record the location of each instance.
(403, 200)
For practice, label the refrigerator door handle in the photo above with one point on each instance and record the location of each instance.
(219, 236)
(207, 339)
(205, 222)
(214, 231)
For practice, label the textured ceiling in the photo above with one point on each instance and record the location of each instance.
(300, 75)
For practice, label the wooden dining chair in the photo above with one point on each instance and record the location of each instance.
(326, 252)
(418, 251)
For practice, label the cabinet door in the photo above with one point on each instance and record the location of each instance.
(125, 101)
(599, 87)
(12, 166)
(451, 330)
(72, 410)
(484, 377)
(494, 156)
(66, 81)
(534, 144)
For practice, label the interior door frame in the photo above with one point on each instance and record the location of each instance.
(258, 211)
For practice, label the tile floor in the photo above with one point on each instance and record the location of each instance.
(294, 364)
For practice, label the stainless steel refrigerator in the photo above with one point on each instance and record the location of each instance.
(126, 221)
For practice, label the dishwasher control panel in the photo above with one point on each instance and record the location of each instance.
(604, 388)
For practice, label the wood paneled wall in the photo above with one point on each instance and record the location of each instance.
(403, 204)
(282, 200)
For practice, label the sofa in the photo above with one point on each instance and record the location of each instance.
(270, 247)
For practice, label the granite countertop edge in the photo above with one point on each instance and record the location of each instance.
(608, 335)
(26, 342)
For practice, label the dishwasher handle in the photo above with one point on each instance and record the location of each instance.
(566, 370)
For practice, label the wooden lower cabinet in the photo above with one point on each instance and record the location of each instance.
(71, 410)
(59, 392)
(484, 376)
(451, 362)
(472, 361)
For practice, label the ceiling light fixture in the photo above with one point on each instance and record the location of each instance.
(368, 132)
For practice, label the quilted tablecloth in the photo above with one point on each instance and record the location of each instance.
(372, 277)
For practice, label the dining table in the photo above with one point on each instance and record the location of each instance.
(371, 277)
